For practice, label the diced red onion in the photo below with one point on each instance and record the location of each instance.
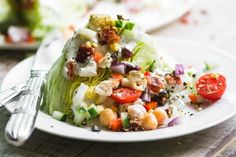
(130, 67)
(146, 97)
(175, 121)
(18, 34)
(179, 69)
(118, 68)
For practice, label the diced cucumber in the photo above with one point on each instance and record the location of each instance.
(59, 115)
(100, 108)
(93, 112)
(125, 119)
(126, 123)
(81, 110)
(87, 116)
(79, 115)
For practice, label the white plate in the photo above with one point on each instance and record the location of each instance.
(152, 17)
(184, 52)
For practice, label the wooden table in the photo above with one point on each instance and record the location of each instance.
(211, 22)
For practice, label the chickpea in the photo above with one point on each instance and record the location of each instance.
(149, 121)
(107, 116)
(160, 115)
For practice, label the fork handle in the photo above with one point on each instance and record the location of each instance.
(21, 123)
(9, 94)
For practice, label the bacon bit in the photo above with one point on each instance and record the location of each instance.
(108, 36)
(155, 83)
(135, 125)
(172, 79)
(71, 69)
(185, 18)
(126, 53)
(85, 51)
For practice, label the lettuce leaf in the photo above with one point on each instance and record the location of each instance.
(58, 90)
(144, 56)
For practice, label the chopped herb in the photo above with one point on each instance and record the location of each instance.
(120, 24)
(129, 26)
(152, 66)
(208, 67)
(124, 25)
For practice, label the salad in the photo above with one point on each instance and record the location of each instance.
(28, 21)
(112, 75)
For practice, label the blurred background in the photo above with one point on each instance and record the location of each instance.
(24, 23)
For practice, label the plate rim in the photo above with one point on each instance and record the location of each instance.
(203, 127)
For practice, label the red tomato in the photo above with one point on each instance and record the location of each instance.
(211, 86)
(125, 95)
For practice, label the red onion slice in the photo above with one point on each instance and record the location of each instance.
(175, 121)
(179, 69)
(118, 68)
(146, 97)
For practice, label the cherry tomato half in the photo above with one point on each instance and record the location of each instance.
(211, 86)
(125, 95)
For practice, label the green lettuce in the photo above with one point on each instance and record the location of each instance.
(59, 91)
(144, 56)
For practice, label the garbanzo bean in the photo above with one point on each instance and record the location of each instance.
(160, 115)
(107, 116)
(149, 121)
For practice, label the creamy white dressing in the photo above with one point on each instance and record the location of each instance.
(90, 70)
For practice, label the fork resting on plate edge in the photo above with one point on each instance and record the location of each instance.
(21, 123)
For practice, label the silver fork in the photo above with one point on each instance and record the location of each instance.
(9, 94)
